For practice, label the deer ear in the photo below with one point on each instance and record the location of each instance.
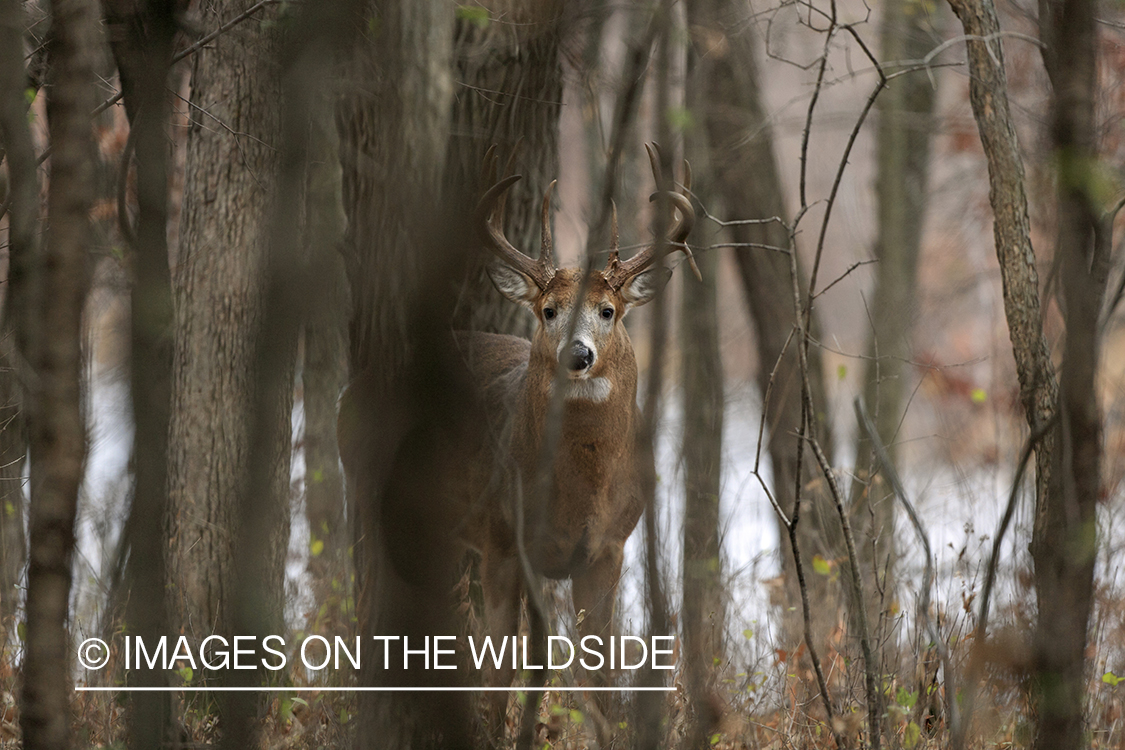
(516, 286)
(644, 286)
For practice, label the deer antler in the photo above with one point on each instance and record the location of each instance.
(489, 219)
(618, 271)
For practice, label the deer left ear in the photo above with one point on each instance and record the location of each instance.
(644, 286)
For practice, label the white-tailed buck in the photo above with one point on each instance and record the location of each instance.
(577, 528)
(593, 498)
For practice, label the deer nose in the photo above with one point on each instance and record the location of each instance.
(581, 357)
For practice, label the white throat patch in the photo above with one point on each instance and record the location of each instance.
(590, 389)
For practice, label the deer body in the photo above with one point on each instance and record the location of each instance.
(578, 527)
(579, 530)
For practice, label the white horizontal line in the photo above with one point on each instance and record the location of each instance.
(411, 689)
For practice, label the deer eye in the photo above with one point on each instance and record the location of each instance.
(548, 313)
(607, 313)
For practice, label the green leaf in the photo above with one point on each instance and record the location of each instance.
(576, 716)
(21, 631)
(841, 372)
(1108, 678)
(316, 547)
(29, 95)
(910, 735)
(681, 119)
(905, 698)
(475, 15)
(300, 702)
(715, 738)
(978, 396)
(820, 565)
(748, 634)
(185, 674)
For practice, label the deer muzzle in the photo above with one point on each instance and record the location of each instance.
(581, 357)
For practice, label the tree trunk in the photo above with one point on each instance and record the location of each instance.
(23, 194)
(219, 288)
(746, 178)
(704, 616)
(142, 47)
(906, 112)
(509, 92)
(1064, 546)
(58, 434)
(988, 94)
(394, 125)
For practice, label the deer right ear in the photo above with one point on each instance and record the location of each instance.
(514, 285)
(642, 287)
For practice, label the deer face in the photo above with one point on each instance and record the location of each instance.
(579, 323)
(592, 320)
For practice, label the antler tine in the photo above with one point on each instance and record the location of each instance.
(489, 222)
(617, 272)
(547, 251)
(613, 263)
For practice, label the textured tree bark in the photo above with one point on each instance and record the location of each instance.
(58, 436)
(703, 617)
(142, 47)
(746, 177)
(508, 92)
(1064, 546)
(23, 194)
(988, 94)
(394, 125)
(1068, 471)
(219, 285)
(906, 113)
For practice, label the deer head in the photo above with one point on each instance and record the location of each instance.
(558, 297)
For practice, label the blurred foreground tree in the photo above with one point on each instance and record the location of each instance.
(142, 46)
(703, 618)
(22, 198)
(394, 126)
(53, 285)
(508, 91)
(324, 369)
(1064, 545)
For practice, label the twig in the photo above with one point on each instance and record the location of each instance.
(803, 315)
(845, 274)
(802, 586)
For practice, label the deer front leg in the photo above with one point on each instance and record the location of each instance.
(594, 592)
(502, 581)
